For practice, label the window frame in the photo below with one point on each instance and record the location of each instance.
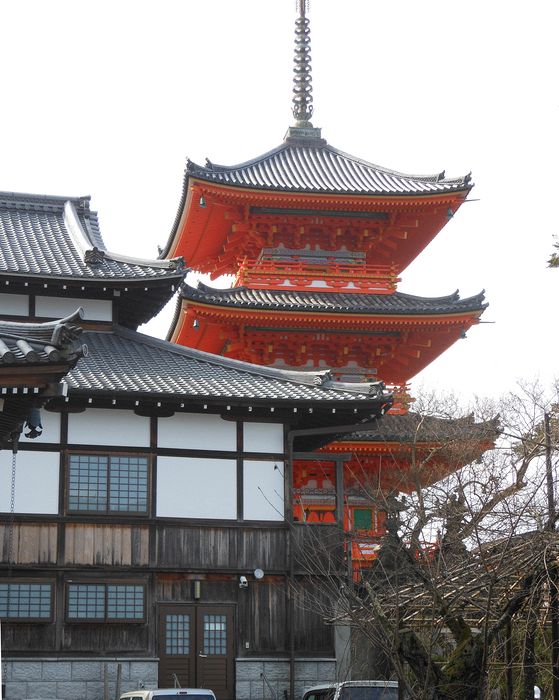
(105, 619)
(32, 581)
(107, 512)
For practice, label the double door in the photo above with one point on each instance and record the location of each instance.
(196, 648)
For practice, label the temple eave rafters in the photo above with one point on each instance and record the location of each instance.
(211, 212)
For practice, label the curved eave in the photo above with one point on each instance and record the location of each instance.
(219, 197)
(343, 318)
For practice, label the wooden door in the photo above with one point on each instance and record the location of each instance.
(196, 648)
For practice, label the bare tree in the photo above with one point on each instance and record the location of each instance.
(455, 603)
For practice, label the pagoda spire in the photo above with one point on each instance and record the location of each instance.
(302, 79)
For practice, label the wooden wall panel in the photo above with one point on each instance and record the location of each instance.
(203, 547)
(106, 545)
(107, 638)
(32, 543)
(318, 549)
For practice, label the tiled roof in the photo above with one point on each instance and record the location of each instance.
(130, 363)
(332, 302)
(414, 427)
(59, 237)
(34, 358)
(31, 344)
(314, 166)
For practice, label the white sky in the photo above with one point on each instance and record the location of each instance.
(109, 98)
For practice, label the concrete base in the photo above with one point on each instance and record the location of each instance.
(268, 678)
(74, 679)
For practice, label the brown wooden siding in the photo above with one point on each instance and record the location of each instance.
(106, 638)
(206, 547)
(32, 543)
(106, 545)
(317, 549)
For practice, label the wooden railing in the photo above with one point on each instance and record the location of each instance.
(332, 274)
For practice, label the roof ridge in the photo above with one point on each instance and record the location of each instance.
(10, 198)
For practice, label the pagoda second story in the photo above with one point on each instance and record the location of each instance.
(317, 241)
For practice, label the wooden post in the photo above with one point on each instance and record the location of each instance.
(118, 680)
(105, 682)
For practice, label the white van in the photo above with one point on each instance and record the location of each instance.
(354, 690)
(169, 694)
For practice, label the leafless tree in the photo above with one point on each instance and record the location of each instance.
(456, 602)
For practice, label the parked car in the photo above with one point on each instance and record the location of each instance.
(354, 690)
(169, 694)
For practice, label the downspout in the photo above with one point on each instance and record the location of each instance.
(291, 437)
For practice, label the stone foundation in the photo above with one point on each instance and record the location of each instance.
(74, 679)
(83, 678)
(268, 678)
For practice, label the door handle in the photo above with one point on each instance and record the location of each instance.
(202, 656)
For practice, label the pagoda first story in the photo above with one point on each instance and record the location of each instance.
(150, 526)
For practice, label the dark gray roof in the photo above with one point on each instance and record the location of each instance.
(415, 428)
(332, 302)
(314, 166)
(32, 344)
(34, 358)
(125, 362)
(59, 237)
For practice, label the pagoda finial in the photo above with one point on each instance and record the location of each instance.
(303, 130)
(302, 79)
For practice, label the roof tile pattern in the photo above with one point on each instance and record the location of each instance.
(126, 362)
(30, 344)
(309, 167)
(417, 428)
(397, 303)
(35, 240)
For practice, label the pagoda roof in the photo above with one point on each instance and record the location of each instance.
(313, 166)
(58, 240)
(397, 303)
(126, 363)
(417, 428)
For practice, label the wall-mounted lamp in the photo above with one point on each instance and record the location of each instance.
(463, 335)
(197, 590)
(196, 324)
(202, 202)
(243, 583)
(449, 213)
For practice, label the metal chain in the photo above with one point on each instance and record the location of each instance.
(12, 511)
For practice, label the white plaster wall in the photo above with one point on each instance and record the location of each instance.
(263, 490)
(36, 482)
(14, 304)
(263, 437)
(188, 487)
(107, 426)
(197, 431)
(58, 307)
(51, 428)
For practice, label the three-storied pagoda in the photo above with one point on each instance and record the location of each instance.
(317, 240)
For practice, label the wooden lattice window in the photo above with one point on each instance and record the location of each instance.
(106, 602)
(26, 601)
(108, 483)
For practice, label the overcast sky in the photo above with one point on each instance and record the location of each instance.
(110, 98)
